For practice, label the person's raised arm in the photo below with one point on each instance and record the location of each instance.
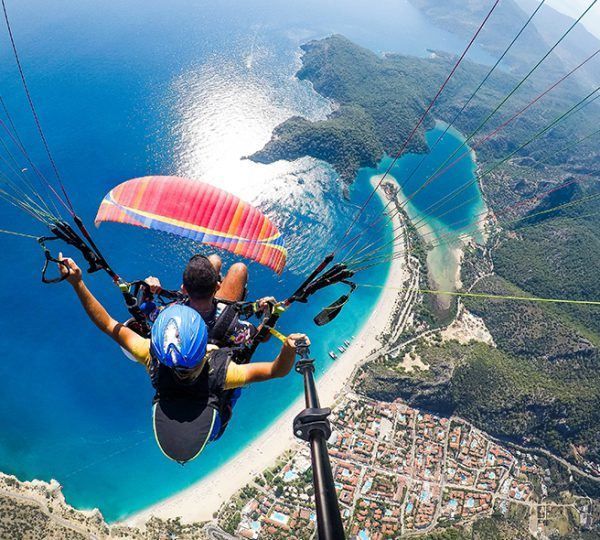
(125, 337)
(264, 371)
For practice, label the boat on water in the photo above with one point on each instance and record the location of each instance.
(341, 349)
(347, 343)
(332, 355)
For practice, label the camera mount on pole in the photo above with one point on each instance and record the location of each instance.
(312, 425)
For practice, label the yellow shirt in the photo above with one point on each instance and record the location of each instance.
(235, 377)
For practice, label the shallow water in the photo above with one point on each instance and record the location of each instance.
(446, 207)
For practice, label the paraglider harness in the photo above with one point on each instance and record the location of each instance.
(220, 331)
(136, 293)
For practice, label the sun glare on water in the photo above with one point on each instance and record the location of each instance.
(224, 113)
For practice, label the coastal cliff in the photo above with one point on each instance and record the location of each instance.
(378, 100)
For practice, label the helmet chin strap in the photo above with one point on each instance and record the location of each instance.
(190, 375)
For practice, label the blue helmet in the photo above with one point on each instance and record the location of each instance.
(179, 337)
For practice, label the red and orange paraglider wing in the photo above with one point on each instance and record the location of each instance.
(199, 211)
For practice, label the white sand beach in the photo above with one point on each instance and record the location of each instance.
(200, 501)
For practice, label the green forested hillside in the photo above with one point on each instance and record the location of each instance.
(537, 401)
(380, 99)
(557, 256)
(347, 140)
(527, 329)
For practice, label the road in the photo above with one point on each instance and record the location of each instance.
(215, 533)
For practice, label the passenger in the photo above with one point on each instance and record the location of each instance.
(214, 297)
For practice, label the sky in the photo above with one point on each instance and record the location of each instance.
(574, 8)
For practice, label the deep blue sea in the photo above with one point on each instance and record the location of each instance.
(131, 88)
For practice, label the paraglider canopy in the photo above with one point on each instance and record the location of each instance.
(199, 211)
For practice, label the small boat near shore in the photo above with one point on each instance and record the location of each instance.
(332, 355)
(341, 349)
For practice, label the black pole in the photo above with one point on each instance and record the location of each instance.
(312, 425)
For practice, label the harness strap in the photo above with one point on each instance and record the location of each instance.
(223, 324)
(278, 335)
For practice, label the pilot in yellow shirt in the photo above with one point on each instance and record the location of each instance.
(235, 378)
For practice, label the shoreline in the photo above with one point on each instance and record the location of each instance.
(433, 229)
(201, 500)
